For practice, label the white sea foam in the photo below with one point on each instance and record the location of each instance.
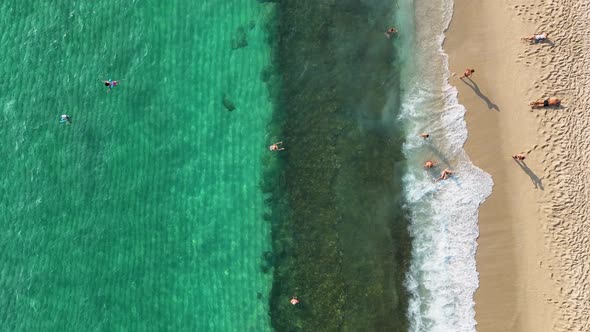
(442, 278)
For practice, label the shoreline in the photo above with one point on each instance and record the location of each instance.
(516, 292)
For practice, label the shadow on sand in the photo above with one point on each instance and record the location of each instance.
(534, 178)
(470, 83)
(541, 43)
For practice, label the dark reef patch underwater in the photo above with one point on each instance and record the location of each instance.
(340, 239)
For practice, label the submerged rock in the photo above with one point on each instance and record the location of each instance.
(228, 104)
(240, 39)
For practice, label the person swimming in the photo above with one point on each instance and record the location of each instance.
(66, 119)
(110, 84)
(390, 32)
(276, 147)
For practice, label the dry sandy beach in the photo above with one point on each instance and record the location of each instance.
(534, 237)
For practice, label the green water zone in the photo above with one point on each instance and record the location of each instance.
(340, 240)
(146, 213)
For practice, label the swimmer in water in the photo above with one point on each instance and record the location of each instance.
(275, 147)
(110, 84)
(390, 32)
(424, 135)
(294, 300)
(65, 119)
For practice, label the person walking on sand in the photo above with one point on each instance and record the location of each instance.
(519, 156)
(390, 32)
(467, 73)
(445, 174)
(424, 135)
(110, 84)
(275, 147)
(430, 164)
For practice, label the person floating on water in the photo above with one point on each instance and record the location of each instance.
(445, 174)
(110, 84)
(390, 32)
(424, 135)
(275, 147)
(66, 119)
(294, 300)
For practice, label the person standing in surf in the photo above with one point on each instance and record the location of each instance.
(445, 174)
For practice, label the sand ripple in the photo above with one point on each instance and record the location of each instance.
(564, 71)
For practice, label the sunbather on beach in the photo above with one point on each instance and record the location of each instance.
(540, 103)
(445, 174)
(537, 37)
(430, 164)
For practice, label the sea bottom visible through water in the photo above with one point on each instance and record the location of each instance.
(340, 241)
(146, 212)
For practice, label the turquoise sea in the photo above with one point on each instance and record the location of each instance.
(146, 212)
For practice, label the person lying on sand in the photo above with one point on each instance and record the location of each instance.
(275, 147)
(430, 164)
(540, 103)
(445, 174)
(537, 37)
(519, 156)
(467, 73)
